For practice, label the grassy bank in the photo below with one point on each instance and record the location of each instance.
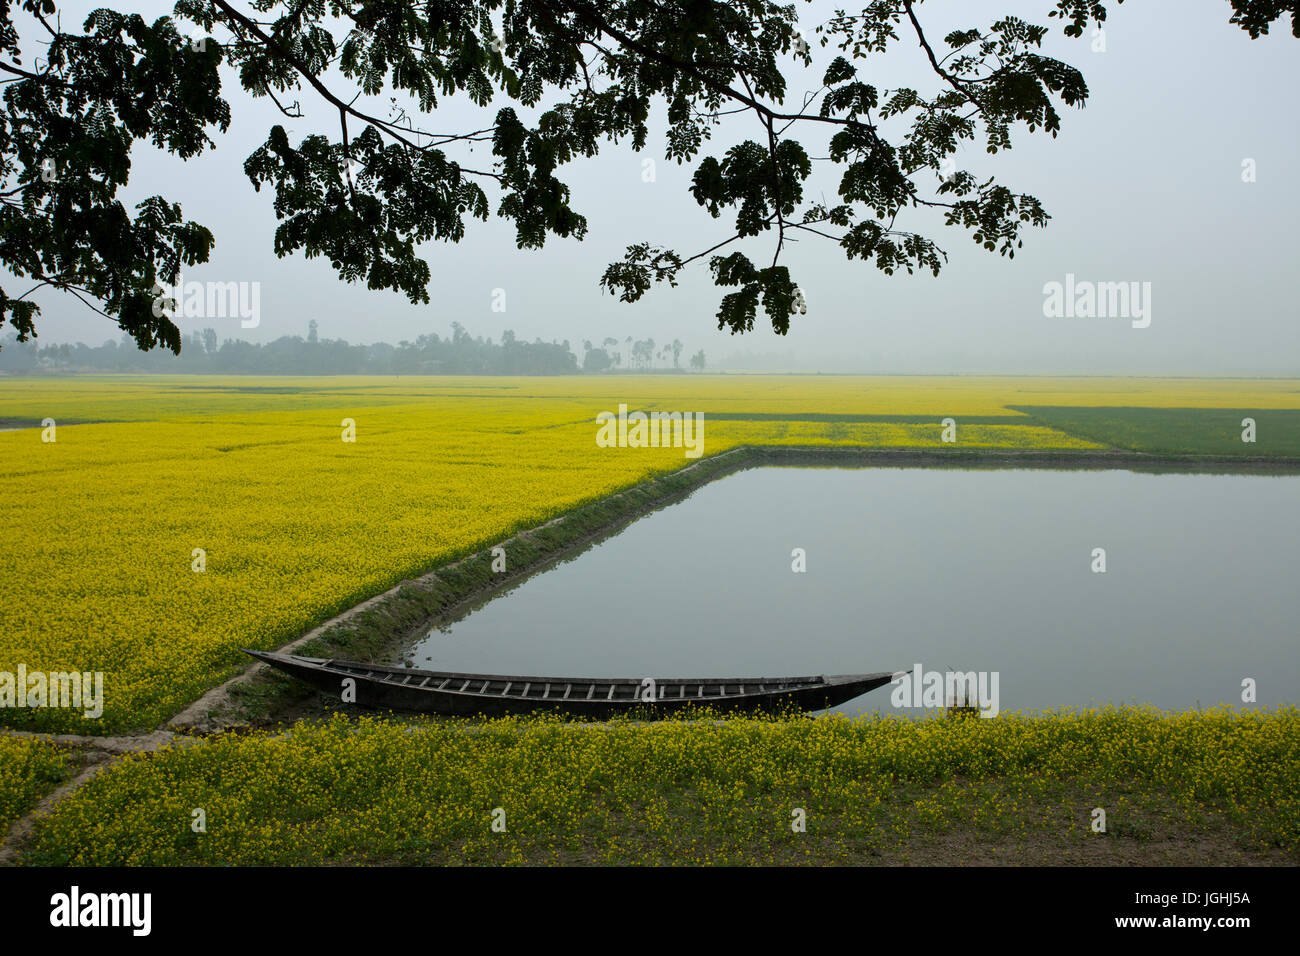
(1218, 786)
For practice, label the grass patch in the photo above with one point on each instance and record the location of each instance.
(849, 418)
(1178, 431)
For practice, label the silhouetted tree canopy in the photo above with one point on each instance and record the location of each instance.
(369, 195)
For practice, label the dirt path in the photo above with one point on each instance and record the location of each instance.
(92, 755)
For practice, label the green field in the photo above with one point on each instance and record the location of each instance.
(1178, 431)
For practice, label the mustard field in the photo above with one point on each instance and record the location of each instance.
(172, 520)
(743, 790)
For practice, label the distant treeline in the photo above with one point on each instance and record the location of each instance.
(457, 354)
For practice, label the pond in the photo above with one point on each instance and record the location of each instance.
(955, 570)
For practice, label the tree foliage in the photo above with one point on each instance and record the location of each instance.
(578, 74)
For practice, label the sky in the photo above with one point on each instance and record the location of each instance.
(1145, 184)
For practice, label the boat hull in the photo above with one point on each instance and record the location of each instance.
(384, 687)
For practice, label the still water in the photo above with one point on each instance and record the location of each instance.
(957, 570)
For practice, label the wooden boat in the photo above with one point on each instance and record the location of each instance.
(440, 692)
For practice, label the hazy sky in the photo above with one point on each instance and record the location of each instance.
(1144, 184)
